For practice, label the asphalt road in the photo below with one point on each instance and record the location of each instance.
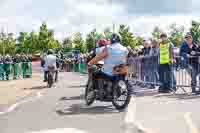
(62, 110)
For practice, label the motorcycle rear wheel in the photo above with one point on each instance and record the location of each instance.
(50, 81)
(118, 91)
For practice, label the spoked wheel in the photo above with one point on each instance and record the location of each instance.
(121, 95)
(50, 80)
(90, 94)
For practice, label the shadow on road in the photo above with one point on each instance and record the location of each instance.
(77, 109)
(77, 86)
(146, 93)
(71, 98)
(36, 88)
(184, 96)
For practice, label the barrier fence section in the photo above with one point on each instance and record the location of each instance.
(75, 67)
(15, 70)
(181, 74)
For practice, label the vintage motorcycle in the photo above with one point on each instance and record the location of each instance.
(115, 89)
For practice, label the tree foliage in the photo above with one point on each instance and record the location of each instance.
(127, 37)
(67, 44)
(42, 40)
(78, 42)
(156, 32)
(195, 30)
(176, 34)
(91, 40)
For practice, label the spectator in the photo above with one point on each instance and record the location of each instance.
(154, 53)
(147, 48)
(145, 63)
(166, 58)
(187, 50)
(7, 66)
(1, 68)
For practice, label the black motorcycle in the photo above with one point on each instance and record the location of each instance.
(115, 89)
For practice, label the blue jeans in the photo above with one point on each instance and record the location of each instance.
(173, 78)
(105, 76)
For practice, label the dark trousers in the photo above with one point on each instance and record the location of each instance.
(194, 72)
(164, 76)
(102, 75)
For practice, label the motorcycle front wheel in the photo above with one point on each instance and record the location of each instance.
(121, 95)
(90, 94)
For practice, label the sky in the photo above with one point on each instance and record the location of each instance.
(69, 16)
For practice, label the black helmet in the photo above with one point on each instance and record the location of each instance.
(115, 38)
(50, 51)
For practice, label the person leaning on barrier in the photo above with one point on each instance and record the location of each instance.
(189, 53)
(166, 59)
(147, 48)
(154, 54)
(146, 60)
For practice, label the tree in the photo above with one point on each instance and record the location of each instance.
(2, 42)
(67, 44)
(107, 33)
(156, 32)
(195, 31)
(11, 43)
(91, 39)
(127, 37)
(78, 42)
(46, 38)
(7, 43)
(34, 42)
(176, 34)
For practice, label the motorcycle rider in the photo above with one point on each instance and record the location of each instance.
(113, 55)
(50, 60)
(101, 45)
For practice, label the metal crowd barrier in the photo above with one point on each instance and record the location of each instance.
(15, 71)
(75, 67)
(183, 73)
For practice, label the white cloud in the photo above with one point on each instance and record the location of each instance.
(68, 16)
(145, 25)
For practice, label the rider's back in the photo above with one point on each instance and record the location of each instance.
(117, 54)
(50, 60)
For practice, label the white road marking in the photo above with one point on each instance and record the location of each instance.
(61, 130)
(14, 106)
(192, 126)
(130, 123)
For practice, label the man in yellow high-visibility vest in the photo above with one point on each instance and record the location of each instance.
(166, 59)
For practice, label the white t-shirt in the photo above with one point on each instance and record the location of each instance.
(49, 61)
(117, 54)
